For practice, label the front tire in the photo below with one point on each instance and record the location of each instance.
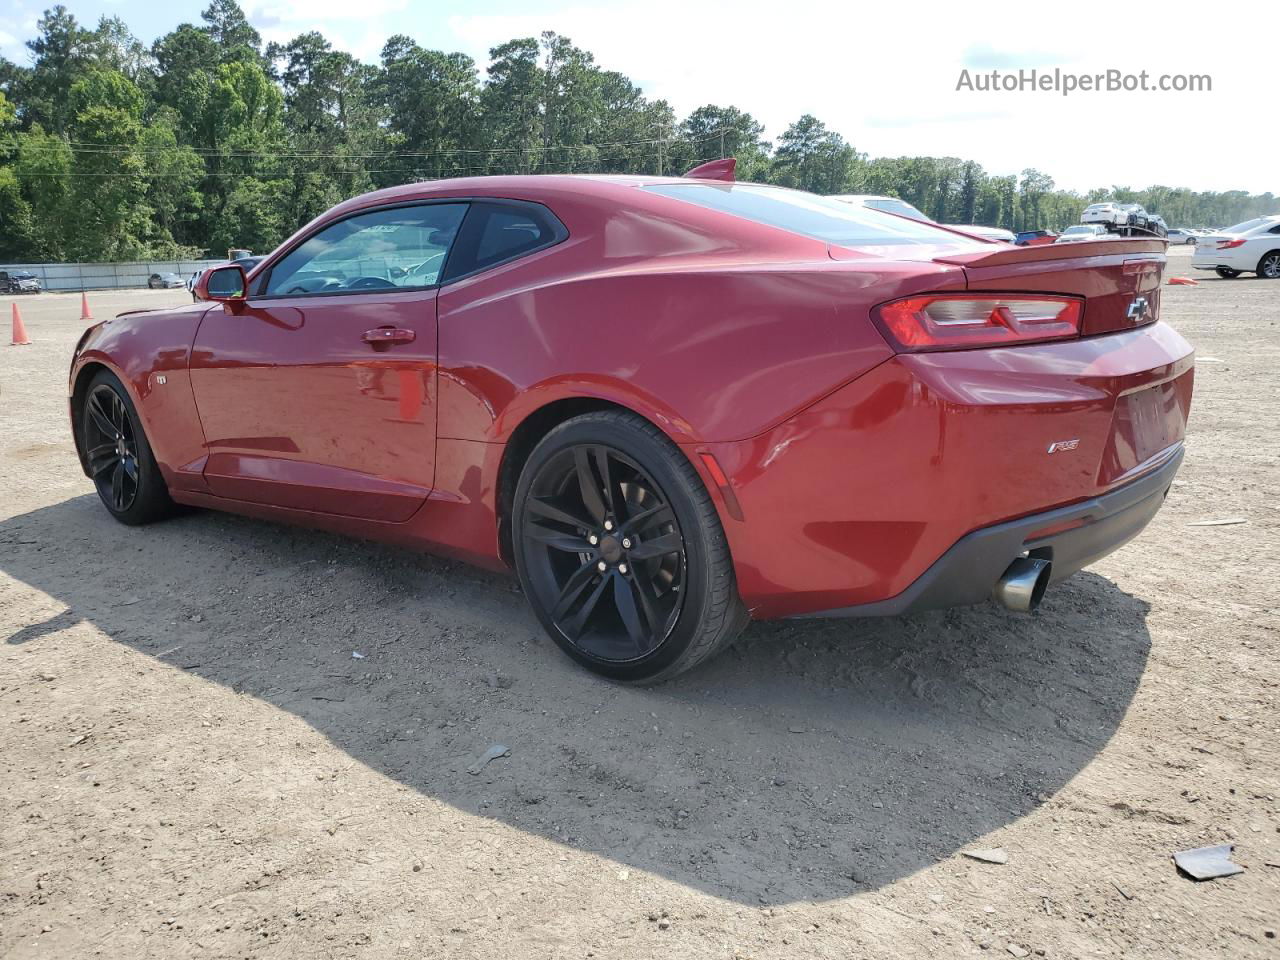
(1226, 273)
(1269, 266)
(620, 551)
(120, 460)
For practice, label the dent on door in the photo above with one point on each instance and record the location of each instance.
(321, 404)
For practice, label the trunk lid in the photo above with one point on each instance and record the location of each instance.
(1119, 279)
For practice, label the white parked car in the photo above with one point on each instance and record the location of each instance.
(1249, 247)
(1081, 231)
(1182, 235)
(904, 209)
(1115, 214)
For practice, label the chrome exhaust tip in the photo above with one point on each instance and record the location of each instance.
(1022, 586)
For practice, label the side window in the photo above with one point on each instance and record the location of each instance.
(398, 248)
(1275, 229)
(497, 232)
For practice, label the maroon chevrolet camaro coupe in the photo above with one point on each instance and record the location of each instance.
(671, 404)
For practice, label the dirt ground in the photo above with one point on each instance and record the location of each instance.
(194, 764)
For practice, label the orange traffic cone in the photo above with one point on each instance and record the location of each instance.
(20, 338)
(1183, 282)
(85, 314)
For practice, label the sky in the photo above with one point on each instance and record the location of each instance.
(885, 76)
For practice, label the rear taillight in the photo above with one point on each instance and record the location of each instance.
(954, 321)
(1228, 244)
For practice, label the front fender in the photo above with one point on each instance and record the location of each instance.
(149, 353)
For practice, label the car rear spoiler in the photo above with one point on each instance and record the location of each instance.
(1005, 255)
(714, 170)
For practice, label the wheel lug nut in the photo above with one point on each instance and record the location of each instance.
(626, 543)
(602, 566)
(622, 568)
(593, 539)
(608, 524)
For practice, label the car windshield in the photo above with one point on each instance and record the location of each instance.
(1078, 230)
(822, 218)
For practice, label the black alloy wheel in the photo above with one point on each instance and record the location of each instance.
(117, 455)
(620, 550)
(612, 556)
(111, 448)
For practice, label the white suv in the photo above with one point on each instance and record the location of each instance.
(1249, 247)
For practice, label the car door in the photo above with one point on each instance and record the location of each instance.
(318, 392)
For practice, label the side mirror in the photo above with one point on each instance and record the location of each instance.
(221, 283)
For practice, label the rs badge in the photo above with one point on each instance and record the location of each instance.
(1062, 446)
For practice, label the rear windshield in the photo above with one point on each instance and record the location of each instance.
(822, 218)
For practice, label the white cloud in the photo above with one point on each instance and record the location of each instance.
(360, 29)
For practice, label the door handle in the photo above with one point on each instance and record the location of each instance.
(389, 335)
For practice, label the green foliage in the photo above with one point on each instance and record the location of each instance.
(111, 150)
(811, 157)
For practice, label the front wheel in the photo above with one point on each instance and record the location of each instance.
(1269, 265)
(620, 550)
(1226, 273)
(119, 457)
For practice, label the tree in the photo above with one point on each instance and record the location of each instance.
(108, 149)
(173, 172)
(231, 31)
(711, 132)
(811, 157)
(62, 51)
(113, 219)
(511, 105)
(1031, 193)
(185, 63)
(430, 100)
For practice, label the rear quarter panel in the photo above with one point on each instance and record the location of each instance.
(707, 351)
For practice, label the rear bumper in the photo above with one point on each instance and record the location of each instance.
(851, 502)
(1069, 537)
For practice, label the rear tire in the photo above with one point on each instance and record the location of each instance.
(121, 463)
(1269, 266)
(608, 489)
(1226, 273)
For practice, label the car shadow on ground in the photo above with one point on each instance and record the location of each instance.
(810, 761)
